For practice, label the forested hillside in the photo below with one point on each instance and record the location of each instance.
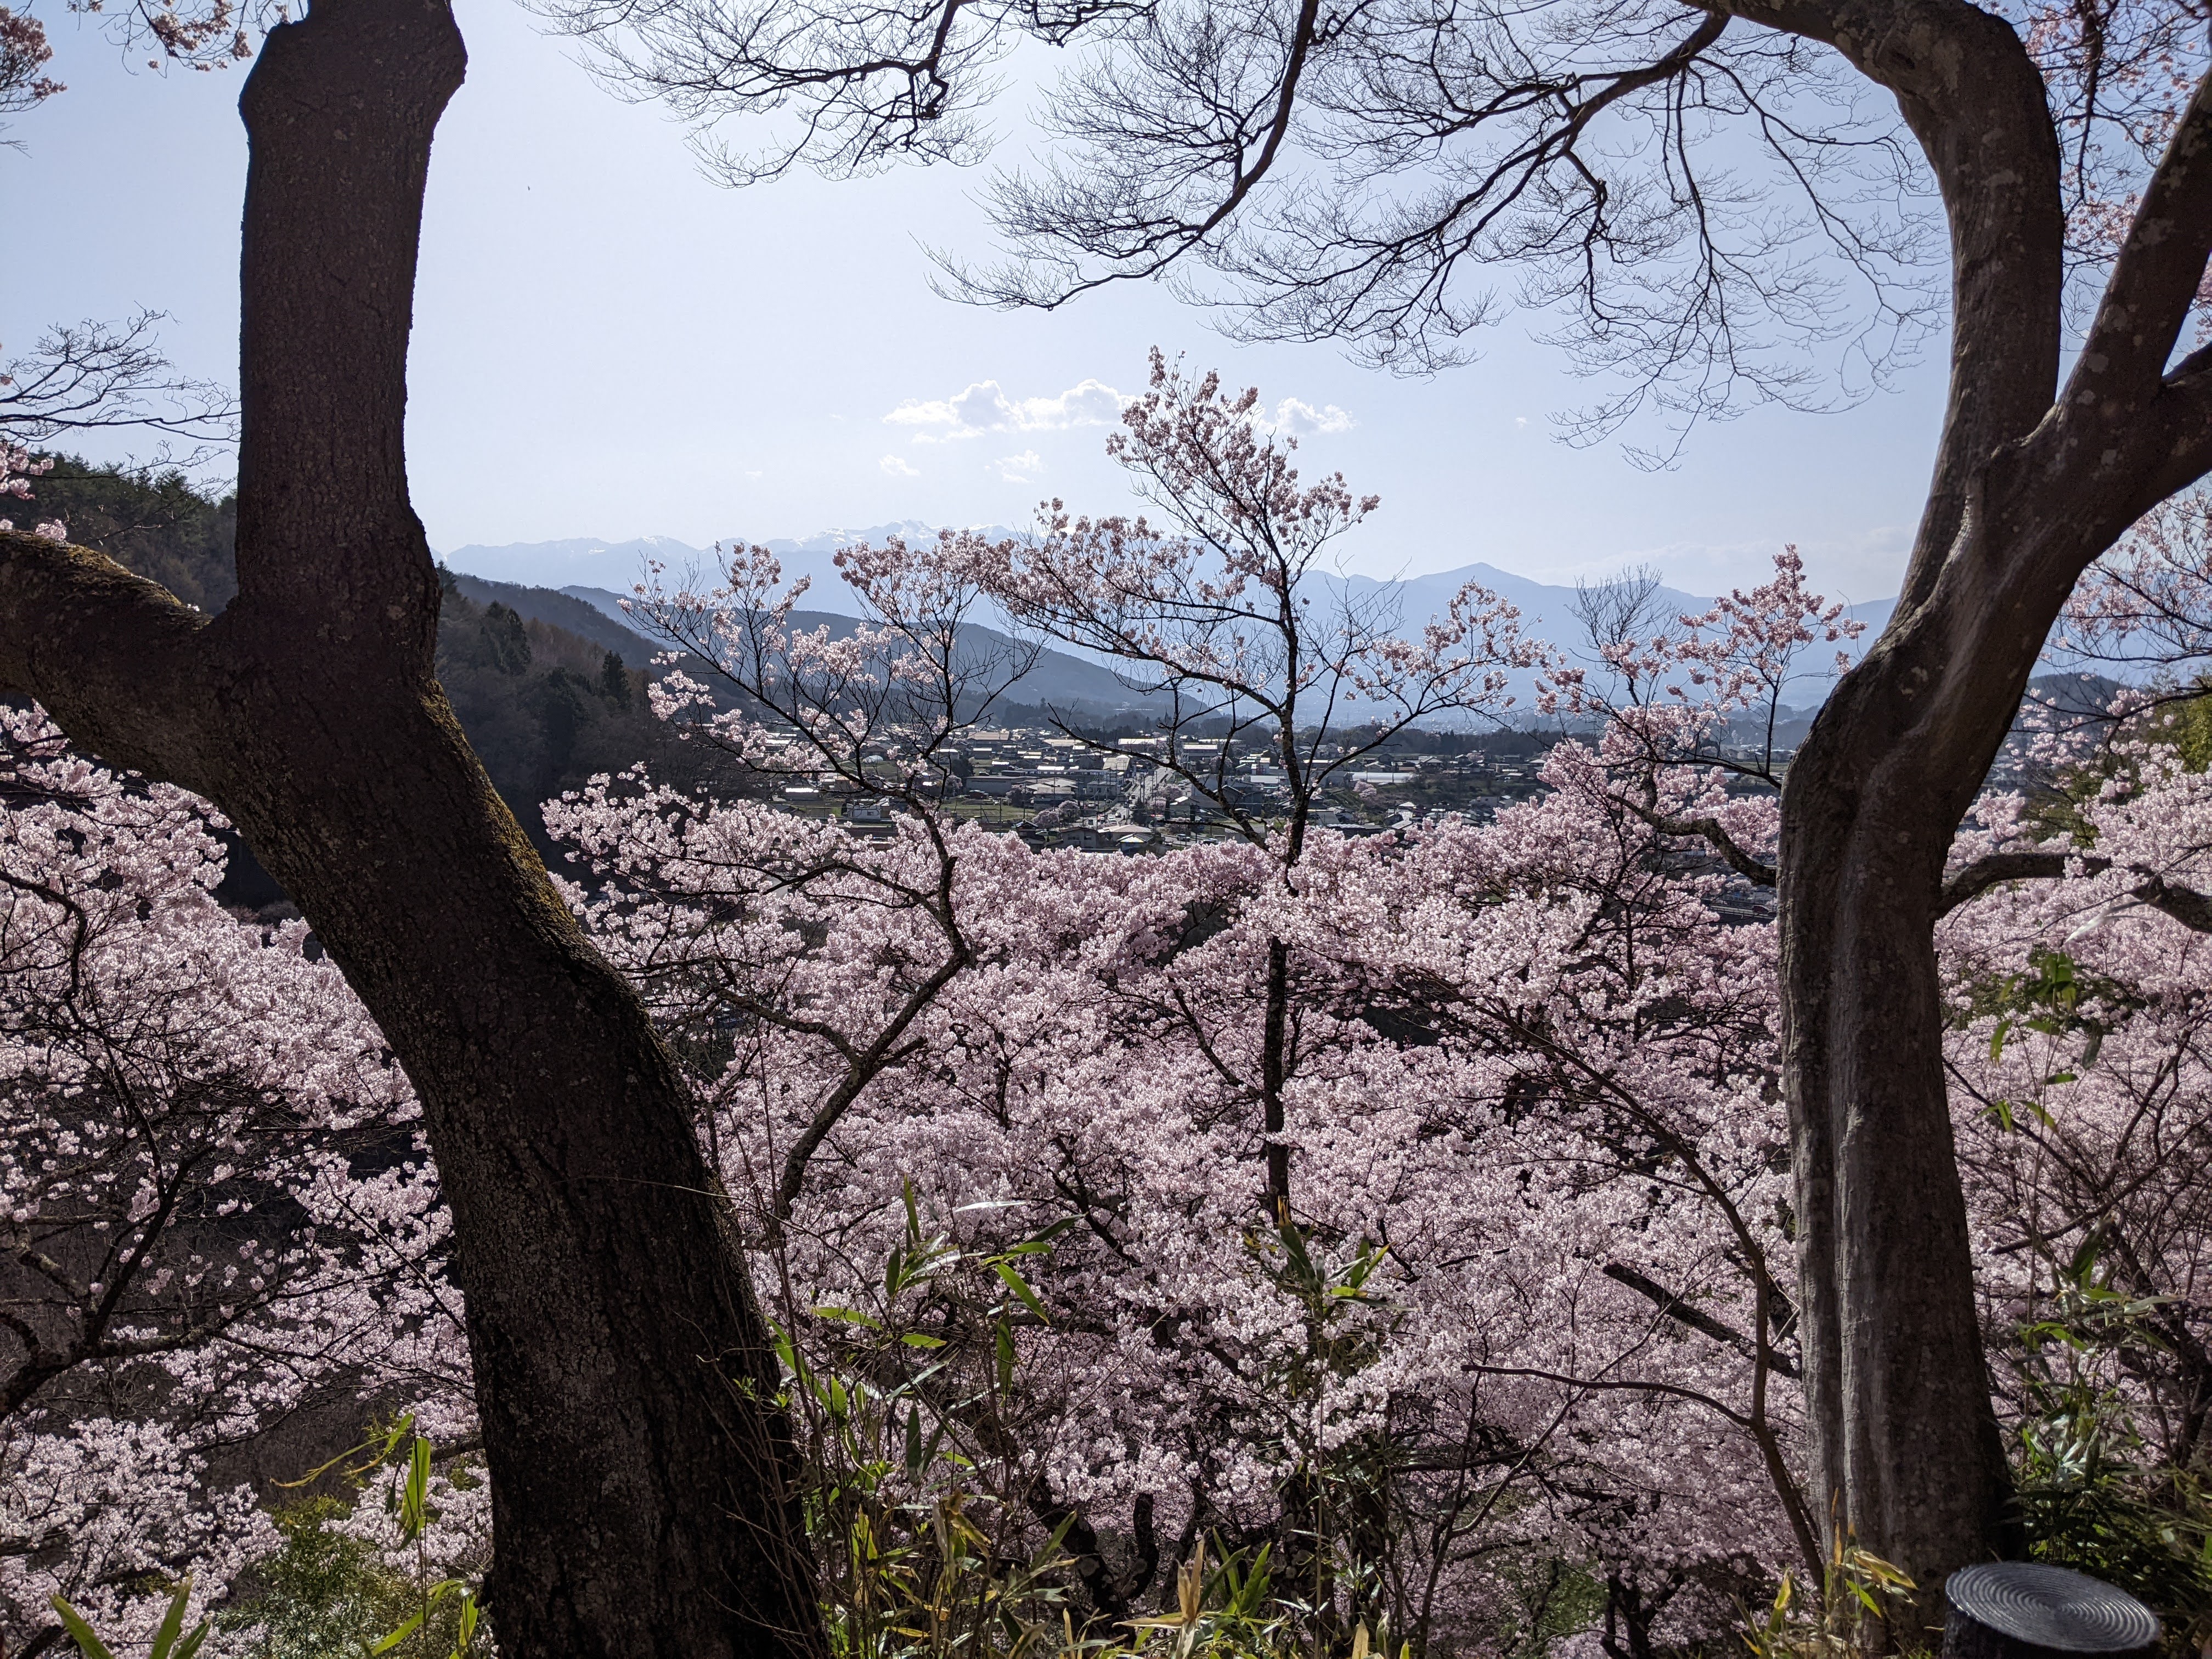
(158, 524)
(545, 707)
(563, 611)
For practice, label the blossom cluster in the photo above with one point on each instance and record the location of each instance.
(219, 1224)
(1416, 1206)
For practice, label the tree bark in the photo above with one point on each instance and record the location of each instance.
(1907, 1447)
(641, 1479)
(2032, 482)
(1906, 1453)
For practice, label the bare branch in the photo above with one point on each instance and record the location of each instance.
(95, 376)
(1226, 90)
(858, 85)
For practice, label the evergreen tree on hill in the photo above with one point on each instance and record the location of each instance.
(544, 708)
(157, 524)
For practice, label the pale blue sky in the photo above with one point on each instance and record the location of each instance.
(608, 345)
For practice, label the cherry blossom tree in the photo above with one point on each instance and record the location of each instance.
(610, 1319)
(219, 1211)
(1738, 203)
(1523, 1359)
(1228, 615)
(1082, 1017)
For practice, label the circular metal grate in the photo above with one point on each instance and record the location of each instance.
(2052, 1607)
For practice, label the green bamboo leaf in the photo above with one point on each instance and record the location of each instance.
(415, 1504)
(397, 1636)
(82, 1633)
(1020, 1287)
(172, 1620)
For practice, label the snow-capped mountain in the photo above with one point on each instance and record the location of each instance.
(587, 561)
(597, 571)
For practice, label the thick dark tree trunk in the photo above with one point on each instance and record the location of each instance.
(1907, 1458)
(2032, 482)
(640, 1474)
(1906, 1450)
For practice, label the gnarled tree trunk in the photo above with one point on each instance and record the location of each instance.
(640, 1478)
(2032, 483)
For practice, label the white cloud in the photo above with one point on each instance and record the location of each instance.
(897, 467)
(984, 407)
(1019, 469)
(1302, 419)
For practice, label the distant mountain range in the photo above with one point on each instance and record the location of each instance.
(595, 575)
(1058, 681)
(584, 562)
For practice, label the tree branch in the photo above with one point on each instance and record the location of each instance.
(1709, 830)
(2192, 909)
(2156, 279)
(1684, 1313)
(885, 1051)
(2183, 410)
(1978, 105)
(92, 376)
(1994, 869)
(119, 661)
